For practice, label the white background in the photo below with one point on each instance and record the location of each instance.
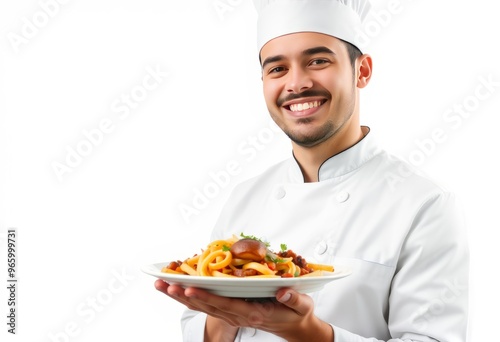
(118, 209)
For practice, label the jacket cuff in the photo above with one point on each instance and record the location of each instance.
(194, 330)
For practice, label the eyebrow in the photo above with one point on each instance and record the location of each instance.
(307, 52)
(272, 59)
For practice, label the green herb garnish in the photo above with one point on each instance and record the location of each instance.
(274, 258)
(251, 237)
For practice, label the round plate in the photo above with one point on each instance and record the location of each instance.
(247, 287)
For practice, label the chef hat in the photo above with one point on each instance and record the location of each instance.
(339, 18)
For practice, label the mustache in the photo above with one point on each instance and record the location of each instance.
(305, 93)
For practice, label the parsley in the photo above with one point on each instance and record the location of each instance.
(251, 237)
(274, 258)
(225, 248)
(283, 247)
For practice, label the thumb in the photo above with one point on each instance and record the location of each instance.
(300, 303)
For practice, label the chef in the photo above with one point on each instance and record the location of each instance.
(339, 199)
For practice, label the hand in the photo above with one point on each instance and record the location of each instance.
(291, 316)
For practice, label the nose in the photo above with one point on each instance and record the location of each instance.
(298, 80)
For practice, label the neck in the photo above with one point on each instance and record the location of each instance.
(311, 158)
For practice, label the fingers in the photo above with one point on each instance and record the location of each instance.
(200, 300)
(175, 292)
(161, 286)
(235, 311)
(270, 315)
(215, 305)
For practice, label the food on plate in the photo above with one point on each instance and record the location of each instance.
(249, 249)
(247, 256)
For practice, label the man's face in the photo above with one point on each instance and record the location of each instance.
(309, 86)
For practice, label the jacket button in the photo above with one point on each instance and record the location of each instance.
(321, 247)
(248, 332)
(279, 193)
(342, 196)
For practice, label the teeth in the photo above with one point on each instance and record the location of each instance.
(303, 106)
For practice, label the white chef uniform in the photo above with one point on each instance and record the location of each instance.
(402, 235)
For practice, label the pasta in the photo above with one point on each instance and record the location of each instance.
(247, 257)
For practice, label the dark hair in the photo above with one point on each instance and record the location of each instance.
(352, 51)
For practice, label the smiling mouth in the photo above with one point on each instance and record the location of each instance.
(299, 107)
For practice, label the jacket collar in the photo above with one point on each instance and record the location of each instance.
(341, 163)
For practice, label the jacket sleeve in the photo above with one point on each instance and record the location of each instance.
(193, 326)
(429, 291)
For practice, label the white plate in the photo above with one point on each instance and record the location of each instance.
(247, 287)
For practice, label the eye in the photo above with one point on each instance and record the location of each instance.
(276, 70)
(319, 62)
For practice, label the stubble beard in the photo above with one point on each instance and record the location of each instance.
(313, 138)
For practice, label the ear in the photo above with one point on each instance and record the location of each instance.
(364, 70)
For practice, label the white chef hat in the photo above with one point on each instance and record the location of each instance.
(339, 18)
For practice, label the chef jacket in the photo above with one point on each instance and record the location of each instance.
(401, 235)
